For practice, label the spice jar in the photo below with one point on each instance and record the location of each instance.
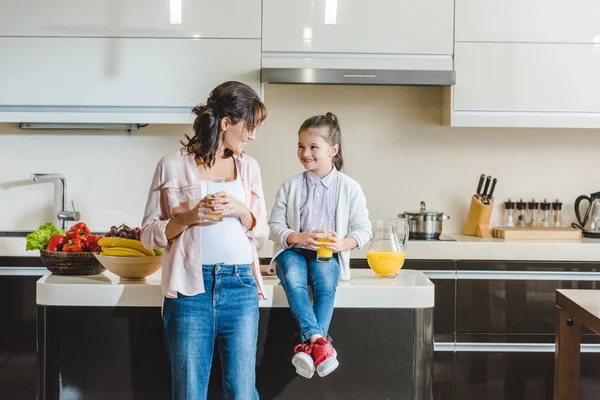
(509, 213)
(557, 213)
(521, 210)
(532, 213)
(545, 218)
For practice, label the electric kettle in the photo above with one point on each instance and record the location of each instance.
(590, 224)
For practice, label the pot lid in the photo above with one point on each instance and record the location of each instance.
(424, 211)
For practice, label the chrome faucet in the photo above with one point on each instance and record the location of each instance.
(63, 215)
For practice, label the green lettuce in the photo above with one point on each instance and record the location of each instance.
(39, 239)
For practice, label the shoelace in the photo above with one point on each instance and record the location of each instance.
(305, 348)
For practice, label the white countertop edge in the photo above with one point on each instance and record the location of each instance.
(104, 290)
(475, 248)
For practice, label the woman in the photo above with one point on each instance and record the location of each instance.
(211, 279)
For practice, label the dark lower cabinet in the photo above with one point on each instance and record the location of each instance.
(510, 297)
(443, 375)
(118, 353)
(17, 336)
(442, 274)
(519, 376)
(510, 305)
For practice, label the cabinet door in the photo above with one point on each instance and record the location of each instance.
(17, 332)
(131, 18)
(516, 298)
(172, 74)
(443, 275)
(356, 26)
(518, 375)
(539, 21)
(527, 78)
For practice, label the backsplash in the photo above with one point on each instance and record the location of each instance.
(393, 145)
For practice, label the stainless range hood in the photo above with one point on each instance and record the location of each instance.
(358, 76)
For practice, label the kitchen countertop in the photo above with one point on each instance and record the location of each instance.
(412, 289)
(464, 248)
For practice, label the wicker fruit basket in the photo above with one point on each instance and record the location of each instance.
(71, 263)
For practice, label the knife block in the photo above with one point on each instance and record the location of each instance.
(478, 219)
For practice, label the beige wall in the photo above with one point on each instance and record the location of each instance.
(394, 146)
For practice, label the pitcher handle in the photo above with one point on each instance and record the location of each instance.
(406, 231)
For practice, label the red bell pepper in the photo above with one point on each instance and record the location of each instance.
(91, 243)
(73, 245)
(56, 242)
(80, 230)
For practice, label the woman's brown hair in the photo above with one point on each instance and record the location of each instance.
(235, 100)
(333, 134)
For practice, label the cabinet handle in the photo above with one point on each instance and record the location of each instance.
(479, 347)
(358, 76)
(528, 275)
(23, 271)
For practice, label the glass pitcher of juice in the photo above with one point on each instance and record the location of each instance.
(386, 252)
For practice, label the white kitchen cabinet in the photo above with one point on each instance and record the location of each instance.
(131, 18)
(117, 80)
(525, 85)
(350, 33)
(535, 21)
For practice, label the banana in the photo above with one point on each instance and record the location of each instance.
(109, 242)
(121, 252)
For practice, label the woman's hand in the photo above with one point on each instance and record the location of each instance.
(230, 207)
(224, 203)
(199, 215)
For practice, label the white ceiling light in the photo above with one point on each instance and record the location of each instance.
(331, 12)
(175, 11)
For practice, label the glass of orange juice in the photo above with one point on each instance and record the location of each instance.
(215, 185)
(324, 231)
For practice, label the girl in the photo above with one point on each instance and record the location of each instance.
(211, 279)
(324, 194)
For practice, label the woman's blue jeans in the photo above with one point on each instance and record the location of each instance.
(226, 314)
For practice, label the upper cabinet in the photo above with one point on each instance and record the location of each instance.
(133, 61)
(529, 63)
(132, 18)
(118, 80)
(526, 85)
(532, 21)
(356, 33)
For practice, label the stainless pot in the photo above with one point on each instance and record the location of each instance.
(424, 224)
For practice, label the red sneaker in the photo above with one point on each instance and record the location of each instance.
(303, 361)
(324, 356)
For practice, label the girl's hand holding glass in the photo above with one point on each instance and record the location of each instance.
(323, 232)
(335, 243)
(306, 239)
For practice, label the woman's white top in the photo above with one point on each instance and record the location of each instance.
(226, 241)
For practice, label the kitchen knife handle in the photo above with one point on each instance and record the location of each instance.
(487, 185)
(492, 188)
(480, 184)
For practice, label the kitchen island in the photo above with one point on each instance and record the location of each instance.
(100, 338)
